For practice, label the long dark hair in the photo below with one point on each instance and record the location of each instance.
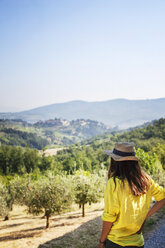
(131, 170)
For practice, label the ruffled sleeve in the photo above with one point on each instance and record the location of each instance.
(111, 201)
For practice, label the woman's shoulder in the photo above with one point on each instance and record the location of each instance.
(114, 183)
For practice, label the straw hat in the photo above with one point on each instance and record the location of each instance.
(122, 151)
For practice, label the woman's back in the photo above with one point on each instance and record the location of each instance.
(127, 198)
(127, 211)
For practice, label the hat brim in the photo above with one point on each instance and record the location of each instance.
(120, 158)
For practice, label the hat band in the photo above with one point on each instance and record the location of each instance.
(123, 154)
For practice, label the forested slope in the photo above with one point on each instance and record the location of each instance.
(29, 177)
(10, 136)
(89, 156)
(55, 132)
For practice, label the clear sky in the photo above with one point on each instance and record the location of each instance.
(61, 50)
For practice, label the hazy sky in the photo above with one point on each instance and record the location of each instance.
(60, 50)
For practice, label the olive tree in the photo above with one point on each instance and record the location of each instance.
(50, 196)
(17, 192)
(19, 189)
(88, 189)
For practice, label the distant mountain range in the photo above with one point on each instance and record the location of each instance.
(122, 113)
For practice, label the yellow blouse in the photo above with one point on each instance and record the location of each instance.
(127, 212)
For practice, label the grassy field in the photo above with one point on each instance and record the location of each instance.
(68, 230)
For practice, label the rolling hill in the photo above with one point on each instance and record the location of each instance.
(120, 112)
(57, 132)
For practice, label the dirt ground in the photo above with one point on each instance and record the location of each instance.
(68, 230)
(23, 230)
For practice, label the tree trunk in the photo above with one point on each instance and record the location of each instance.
(83, 210)
(30, 210)
(11, 206)
(47, 221)
(6, 217)
(79, 205)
